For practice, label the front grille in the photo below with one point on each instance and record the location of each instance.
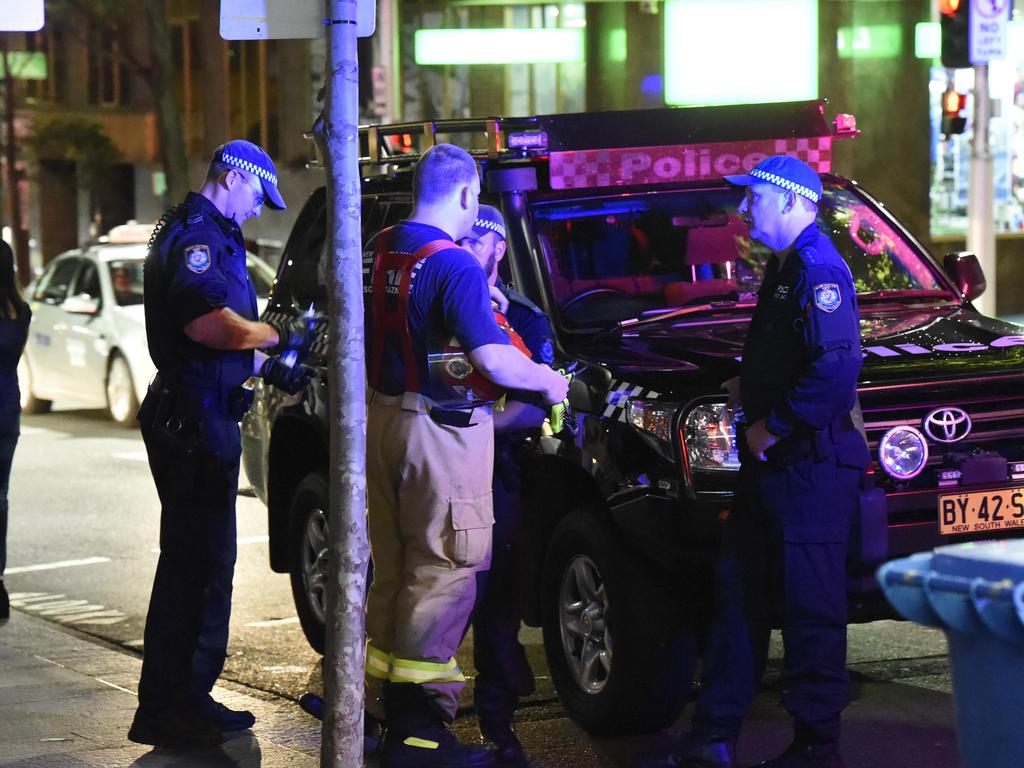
(995, 404)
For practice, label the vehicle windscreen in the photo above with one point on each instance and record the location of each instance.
(126, 278)
(613, 258)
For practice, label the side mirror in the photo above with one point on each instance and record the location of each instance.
(966, 273)
(82, 304)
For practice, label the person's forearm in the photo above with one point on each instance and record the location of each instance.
(507, 366)
(224, 328)
(518, 416)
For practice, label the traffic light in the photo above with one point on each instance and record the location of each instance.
(955, 18)
(952, 104)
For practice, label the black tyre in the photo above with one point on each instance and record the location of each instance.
(29, 402)
(122, 402)
(308, 545)
(618, 643)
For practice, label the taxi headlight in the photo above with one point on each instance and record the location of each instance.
(709, 443)
(903, 452)
(651, 417)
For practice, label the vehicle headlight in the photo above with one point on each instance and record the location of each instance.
(903, 452)
(652, 417)
(709, 443)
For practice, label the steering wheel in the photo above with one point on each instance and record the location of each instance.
(593, 292)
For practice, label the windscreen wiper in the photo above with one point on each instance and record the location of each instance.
(711, 307)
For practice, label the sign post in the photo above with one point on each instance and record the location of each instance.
(987, 41)
(337, 136)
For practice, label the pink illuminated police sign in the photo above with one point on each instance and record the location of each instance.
(584, 169)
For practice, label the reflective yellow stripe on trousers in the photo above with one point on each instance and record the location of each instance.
(387, 667)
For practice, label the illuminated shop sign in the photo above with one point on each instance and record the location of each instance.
(498, 46)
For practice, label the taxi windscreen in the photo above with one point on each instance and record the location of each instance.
(614, 258)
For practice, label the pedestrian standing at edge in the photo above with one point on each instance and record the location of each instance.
(503, 673)
(14, 319)
(202, 331)
(428, 467)
(785, 542)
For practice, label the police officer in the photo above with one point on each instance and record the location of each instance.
(202, 332)
(786, 538)
(503, 670)
(429, 466)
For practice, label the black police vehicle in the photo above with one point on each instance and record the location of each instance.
(621, 228)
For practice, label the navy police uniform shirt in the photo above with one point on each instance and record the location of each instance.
(196, 265)
(802, 353)
(448, 297)
(532, 325)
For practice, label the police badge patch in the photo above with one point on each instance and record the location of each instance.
(197, 258)
(827, 297)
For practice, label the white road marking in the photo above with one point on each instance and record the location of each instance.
(66, 611)
(274, 622)
(58, 564)
(132, 456)
(286, 670)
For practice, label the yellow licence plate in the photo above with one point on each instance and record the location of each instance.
(980, 511)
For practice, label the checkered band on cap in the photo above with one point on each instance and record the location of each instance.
(778, 181)
(253, 168)
(493, 226)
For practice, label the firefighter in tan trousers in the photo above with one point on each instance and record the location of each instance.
(429, 465)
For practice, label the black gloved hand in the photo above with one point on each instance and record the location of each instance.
(291, 378)
(293, 333)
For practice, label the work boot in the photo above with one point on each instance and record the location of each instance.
(216, 714)
(174, 730)
(418, 737)
(499, 736)
(803, 754)
(373, 727)
(694, 751)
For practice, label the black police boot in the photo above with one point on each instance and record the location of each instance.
(803, 754)
(5, 602)
(216, 714)
(499, 736)
(417, 737)
(694, 751)
(174, 730)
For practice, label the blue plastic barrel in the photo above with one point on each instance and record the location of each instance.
(975, 592)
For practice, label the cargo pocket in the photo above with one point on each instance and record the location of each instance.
(469, 543)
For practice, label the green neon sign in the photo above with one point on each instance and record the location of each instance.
(928, 40)
(25, 65)
(730, 51)
(880, 41)
(498, 46)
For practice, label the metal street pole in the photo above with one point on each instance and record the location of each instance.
(337, 133)
(981, 236)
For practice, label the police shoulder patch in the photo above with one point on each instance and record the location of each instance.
(547, 351)
(197, 258)
(827, 297)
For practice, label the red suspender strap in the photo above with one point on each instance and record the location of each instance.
(392, 318)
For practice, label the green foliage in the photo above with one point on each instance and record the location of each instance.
(77, 140)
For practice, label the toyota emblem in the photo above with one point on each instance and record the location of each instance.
(947, 425)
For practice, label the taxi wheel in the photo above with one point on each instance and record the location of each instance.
(620, 653)
(29, 402)
(121, 400)
(308, 543)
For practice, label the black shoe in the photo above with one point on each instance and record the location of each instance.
(694, 751)
(499, 737)
(434, 747)
(174, 730)
(221, 717)
(373, 727)
(5, 602)
(807, 755)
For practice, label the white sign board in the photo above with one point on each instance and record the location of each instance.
(21, 15)
(288, 19)
(987, 35)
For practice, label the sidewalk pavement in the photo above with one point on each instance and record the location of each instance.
(66, 702)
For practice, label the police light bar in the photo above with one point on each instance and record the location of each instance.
(528, 140)
(845, 126)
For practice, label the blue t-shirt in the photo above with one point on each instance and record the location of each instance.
(447, 297)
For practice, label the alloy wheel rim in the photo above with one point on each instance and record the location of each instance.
(314, 562)
(119, 390)
(582, 612)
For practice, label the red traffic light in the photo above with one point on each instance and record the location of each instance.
(949, 7)
(953, 102)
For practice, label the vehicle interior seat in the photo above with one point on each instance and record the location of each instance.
(714, 248)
